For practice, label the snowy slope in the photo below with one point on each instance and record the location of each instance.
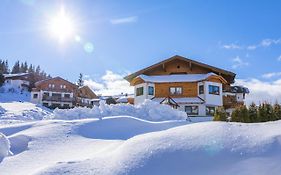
(22, 111)
(126, 145)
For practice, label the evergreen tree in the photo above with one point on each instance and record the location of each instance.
(277, 111)
(38, 70)
(2, 79)
(30, 69)
(80, 81)
(6, 68)
(244, 114)
(16, 68)
(220, 114)
(253, 113)
(235, 115)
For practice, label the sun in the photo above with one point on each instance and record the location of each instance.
(62, 26)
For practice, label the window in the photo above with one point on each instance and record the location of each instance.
(50, 85)
(210, 110)
(53, 86)
(66, 95)
(139, 91)
(64, 86)
(201, 89)
(46, 94)
(175, 90)
(191, 110)
(61, 86)
(35, 95)
(214, 90)
(150, 90)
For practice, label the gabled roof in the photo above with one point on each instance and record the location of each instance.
(88, 91)
(212, 68)
(55, 78)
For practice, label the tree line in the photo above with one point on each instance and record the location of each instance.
(252, 114)
(22, 67)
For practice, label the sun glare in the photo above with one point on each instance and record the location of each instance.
(61, 26)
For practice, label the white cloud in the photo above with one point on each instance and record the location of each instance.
(110, 84)
(261, 91)
(231, 46)
(129, 19)
(238, 63)
(251, 47)
(279, 58)
(271, 75)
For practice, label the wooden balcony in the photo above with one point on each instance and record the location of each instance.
(58, 99)
(230, 101)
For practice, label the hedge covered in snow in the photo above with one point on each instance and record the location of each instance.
(149, 110)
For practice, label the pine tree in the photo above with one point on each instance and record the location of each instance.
(30, 69)
(277, 111)
(253, 113)
(16, 68)
(80, 81)
(6, 70)
(2, 79)
(220, 114)
(244, 114)
(38, 70)
(235, 115)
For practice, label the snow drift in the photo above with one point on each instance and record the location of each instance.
(4, 146)
(204, 148)
(149, 110)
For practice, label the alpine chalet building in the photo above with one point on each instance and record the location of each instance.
(187, 85)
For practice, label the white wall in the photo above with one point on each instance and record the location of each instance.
(140, 99)
(212, 99)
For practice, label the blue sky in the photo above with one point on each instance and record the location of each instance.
(124, 35)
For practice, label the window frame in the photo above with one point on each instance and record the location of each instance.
(208, 111)
(201, 91)
(37, 96)
(192, 113)
(139, 92)
(211, 89)
(150, 89)
(176, 87)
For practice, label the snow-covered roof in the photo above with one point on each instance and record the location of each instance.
(175, 78)
(15, 75)
(122, 100)
(186, 100)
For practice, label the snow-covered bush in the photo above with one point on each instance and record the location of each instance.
(149, 110)
(4, 146)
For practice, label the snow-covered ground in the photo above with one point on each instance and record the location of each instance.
(126, 145)
(123, 139)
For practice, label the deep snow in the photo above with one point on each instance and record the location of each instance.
(126, 145)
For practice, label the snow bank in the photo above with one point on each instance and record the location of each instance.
(149, 110)
(4, 146)
(22, 111)
(203, 148)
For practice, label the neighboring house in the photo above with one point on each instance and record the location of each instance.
(85, 97)
(187, 85)
(58, 92)
(18, 82)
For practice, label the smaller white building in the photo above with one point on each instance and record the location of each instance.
(17, 82)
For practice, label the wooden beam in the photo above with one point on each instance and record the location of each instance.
(190, 66)
(163, 66)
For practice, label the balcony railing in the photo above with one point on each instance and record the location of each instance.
(58, 99)
(231, 101)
